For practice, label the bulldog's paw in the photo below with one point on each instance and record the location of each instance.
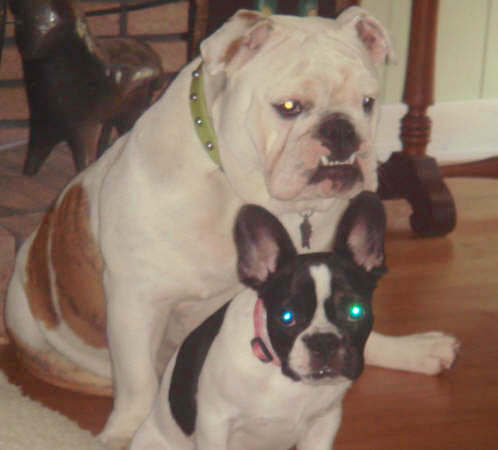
(430, 353)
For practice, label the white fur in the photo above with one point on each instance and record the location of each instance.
(299, 358)
(322, 278)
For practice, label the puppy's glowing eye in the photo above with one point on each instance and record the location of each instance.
(368, 104)
(356, 312)
(287, 317)
(289, 108)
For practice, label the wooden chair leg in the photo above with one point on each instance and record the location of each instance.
(411, 174)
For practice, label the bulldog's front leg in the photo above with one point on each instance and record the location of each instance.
(134, 329)
(428, 353)
(321, 433)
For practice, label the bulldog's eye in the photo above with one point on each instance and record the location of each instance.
(289, 108)
(287, 318)
(356, 312)
(368, 104)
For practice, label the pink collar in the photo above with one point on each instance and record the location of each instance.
(261, 345)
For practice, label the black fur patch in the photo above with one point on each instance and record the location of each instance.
(189, 362)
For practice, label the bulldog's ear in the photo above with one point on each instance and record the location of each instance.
(370, 32)
(238, 40)
(360, 233)
(262, 244)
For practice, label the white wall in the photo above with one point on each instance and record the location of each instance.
(465, 114)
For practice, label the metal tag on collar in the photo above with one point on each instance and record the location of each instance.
(306, 230)
(201, 119)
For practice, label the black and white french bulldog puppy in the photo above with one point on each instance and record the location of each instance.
(270, 368)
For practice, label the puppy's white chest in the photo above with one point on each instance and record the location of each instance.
(277, 421)
(263, 434)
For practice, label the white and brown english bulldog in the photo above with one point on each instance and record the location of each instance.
(277, 111)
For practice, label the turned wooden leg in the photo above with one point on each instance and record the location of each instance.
(198, 18)
(418, 180)
(411, 174)
(3, 22)
(485, 168)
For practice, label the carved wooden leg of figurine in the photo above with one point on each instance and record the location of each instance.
(44, 136)
(82, 140)
(412, 174)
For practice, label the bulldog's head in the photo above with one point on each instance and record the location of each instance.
(293, 101)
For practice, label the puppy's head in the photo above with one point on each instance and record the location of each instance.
(317, 306)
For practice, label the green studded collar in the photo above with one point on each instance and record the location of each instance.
(200, 116)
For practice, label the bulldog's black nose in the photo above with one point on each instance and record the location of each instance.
(322, 345)
(338, 134)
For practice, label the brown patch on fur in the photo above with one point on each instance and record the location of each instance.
(250, 16)
(233, 49)
(366, 32)
(78, 266)
(252, 41)
(53, 368)
(37, 287)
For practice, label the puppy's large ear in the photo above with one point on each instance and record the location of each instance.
(360, 233)
(262, 244)
(374, 36)
(236, 42)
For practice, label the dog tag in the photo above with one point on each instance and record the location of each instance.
(306, 231)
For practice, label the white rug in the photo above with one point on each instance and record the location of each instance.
(28, 425)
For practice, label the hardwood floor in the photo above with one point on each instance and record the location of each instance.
(448, 284)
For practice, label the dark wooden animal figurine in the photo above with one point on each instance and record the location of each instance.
(79, 87)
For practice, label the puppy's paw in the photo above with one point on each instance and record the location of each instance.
(430, 353)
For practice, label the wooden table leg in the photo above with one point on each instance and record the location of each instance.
(411, 174)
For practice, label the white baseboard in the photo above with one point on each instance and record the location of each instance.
(461, 131)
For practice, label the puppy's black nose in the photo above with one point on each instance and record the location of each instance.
(322, 345)
(338, 134)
